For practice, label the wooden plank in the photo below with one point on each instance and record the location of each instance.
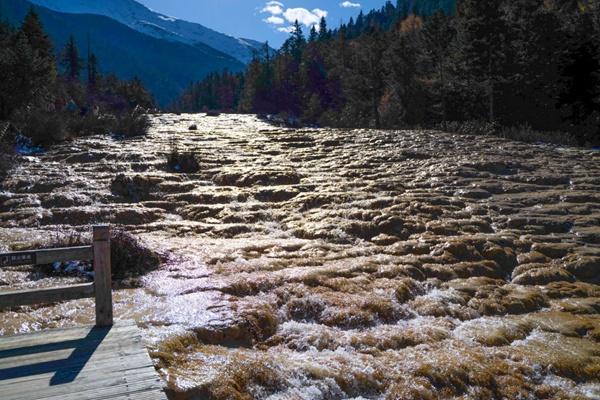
(102, 276)
(111, 392)
(84, 354)
(125, 342)
(74, 354)
(136, 358)
(63, 334)
(149, 394)
(69, 360)
(85, 361)
(99, 343)
(45, 296)
(99, 379)
(23, 347)
(102, 389)
(47, 256)
(89, 363)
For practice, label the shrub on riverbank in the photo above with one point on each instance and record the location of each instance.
(92, 124)
(42, 128)
(132, 124)
(6, 150)
(186, 163)
(522, 133)
(130, 257)
(6, 159)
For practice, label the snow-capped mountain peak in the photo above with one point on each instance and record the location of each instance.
(150, 22)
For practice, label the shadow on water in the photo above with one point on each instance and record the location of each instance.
(65, 370)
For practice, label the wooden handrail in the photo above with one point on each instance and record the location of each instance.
(101, 289)
(44, 296)
(46, 256)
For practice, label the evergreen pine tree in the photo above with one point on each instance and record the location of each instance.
(405, 74)
(71, 61)
(297, 41)
(92, 71)
(247, 100)
(41, 46)
(580, 97)
(37, 37)
(313, 36)
(91, 67)
(323, 30)
(402, 8)
(481, 32)
(266, 52)
(437, 37)
(26, 80)
(536, 42)
(7, 70)
(365, 81)
(360, 23)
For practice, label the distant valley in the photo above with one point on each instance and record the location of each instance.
(166, 66)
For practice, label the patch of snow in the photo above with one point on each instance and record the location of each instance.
(165, 18)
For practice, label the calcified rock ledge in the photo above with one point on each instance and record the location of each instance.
(325, 264)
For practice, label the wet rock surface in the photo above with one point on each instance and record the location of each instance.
(330, 264)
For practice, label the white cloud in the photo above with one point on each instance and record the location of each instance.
(280, 15)
(320, 13)
(349, 4)
(273, 8)
(304, 16)
(274, 20)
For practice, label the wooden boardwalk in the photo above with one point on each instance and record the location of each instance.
(78, 363)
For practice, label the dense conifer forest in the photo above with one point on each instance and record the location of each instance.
(46, 99)
(530, 63)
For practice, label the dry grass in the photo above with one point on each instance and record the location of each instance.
(184, 162)
(169, 351)
(7, 156)
(130, 257)
(44, 128)
(240, 371)
(132, 124)
(91, 124)
(523, 133)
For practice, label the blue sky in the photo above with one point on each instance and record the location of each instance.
(260, 20)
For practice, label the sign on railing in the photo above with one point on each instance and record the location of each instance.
(17, 259)
(101, 289)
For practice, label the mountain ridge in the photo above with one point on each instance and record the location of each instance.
(165, 67)
(145, 20)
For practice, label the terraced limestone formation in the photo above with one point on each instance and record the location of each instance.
(334, 264)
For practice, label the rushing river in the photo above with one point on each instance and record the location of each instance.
(332, 264)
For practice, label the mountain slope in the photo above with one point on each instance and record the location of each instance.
(142, 19)
(165, 67)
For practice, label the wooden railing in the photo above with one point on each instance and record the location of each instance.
(101, 289)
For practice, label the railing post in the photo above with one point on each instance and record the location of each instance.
(102, 276)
